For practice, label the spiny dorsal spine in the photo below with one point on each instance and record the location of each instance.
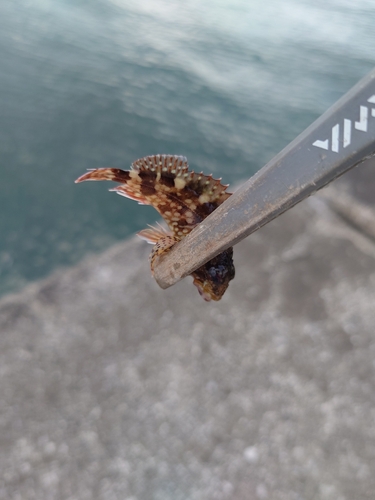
(177, 167)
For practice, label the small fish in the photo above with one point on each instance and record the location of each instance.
(183, 199)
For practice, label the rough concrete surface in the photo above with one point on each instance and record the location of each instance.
(114, 389)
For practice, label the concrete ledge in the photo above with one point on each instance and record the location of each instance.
(114, 389)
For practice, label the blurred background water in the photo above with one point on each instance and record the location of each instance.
(93, 83)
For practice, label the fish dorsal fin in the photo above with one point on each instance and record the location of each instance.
(181, 197)
(163, 164)
(207, 189)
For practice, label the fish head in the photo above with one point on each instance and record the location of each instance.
(212, 279)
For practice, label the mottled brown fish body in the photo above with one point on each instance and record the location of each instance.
(183, 199)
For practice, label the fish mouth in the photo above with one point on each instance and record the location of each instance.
(205, 291)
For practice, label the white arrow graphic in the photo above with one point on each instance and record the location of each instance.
(335, 138)
(361, 125)
(372, 101)
(363, 119)
(322, 144)
(347, 132)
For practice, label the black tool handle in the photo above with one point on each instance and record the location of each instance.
(337, 141)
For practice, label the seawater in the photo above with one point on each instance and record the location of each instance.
(87, 84)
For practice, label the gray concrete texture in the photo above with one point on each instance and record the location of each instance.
(112, 388)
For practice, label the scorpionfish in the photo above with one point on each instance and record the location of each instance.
(183, 198)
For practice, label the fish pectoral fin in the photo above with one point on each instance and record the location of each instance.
(153, 234)
(162, 239)
(162, 245)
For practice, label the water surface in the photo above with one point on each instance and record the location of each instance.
(86, 84)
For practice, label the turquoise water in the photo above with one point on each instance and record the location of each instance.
(86, 84)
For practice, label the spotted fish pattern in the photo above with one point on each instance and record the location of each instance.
(183, 198)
